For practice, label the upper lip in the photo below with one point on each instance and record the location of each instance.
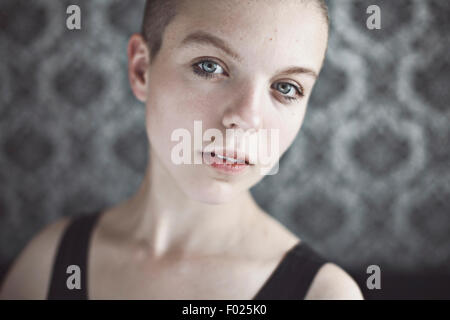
(238, 155)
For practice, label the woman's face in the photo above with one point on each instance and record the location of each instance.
(235, 82)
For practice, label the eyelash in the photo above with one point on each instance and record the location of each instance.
(199, 71)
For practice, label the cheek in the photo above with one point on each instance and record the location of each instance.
(173, 104)
(288, 124)
(163, 114)
(175, 90)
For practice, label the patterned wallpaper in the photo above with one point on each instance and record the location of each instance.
(367, 180)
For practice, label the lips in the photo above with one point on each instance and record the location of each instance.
(229, 157)
(228, 166)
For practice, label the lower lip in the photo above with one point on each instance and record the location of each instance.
(230, 169)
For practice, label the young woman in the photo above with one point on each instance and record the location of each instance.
(193, 231)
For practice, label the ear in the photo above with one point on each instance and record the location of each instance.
(138, 63)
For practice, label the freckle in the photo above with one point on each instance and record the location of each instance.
(270, 39)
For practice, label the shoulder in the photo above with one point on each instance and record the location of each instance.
(333, 283)
(29, 275)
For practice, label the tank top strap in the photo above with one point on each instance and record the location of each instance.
(72, 249)
(293, 276)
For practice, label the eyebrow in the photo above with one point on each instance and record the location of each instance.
(203, 37)
(299, 70)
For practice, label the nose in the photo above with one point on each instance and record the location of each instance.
(245, 110)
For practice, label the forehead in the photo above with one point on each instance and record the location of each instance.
(270, 32)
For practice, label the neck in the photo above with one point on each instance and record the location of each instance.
(166, 221)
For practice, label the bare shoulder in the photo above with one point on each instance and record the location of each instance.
(29, 274)
(333, 283)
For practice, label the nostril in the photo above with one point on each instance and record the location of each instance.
(213, 154)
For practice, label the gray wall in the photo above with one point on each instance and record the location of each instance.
(366, 181)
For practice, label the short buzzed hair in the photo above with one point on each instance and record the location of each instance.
(159, 13)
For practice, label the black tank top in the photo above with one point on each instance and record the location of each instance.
(289, 281)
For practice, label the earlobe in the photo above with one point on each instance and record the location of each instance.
(138, 63)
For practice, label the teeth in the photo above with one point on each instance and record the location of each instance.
(229, 159)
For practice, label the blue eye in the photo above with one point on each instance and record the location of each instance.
(289, 91)
(207, 68)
